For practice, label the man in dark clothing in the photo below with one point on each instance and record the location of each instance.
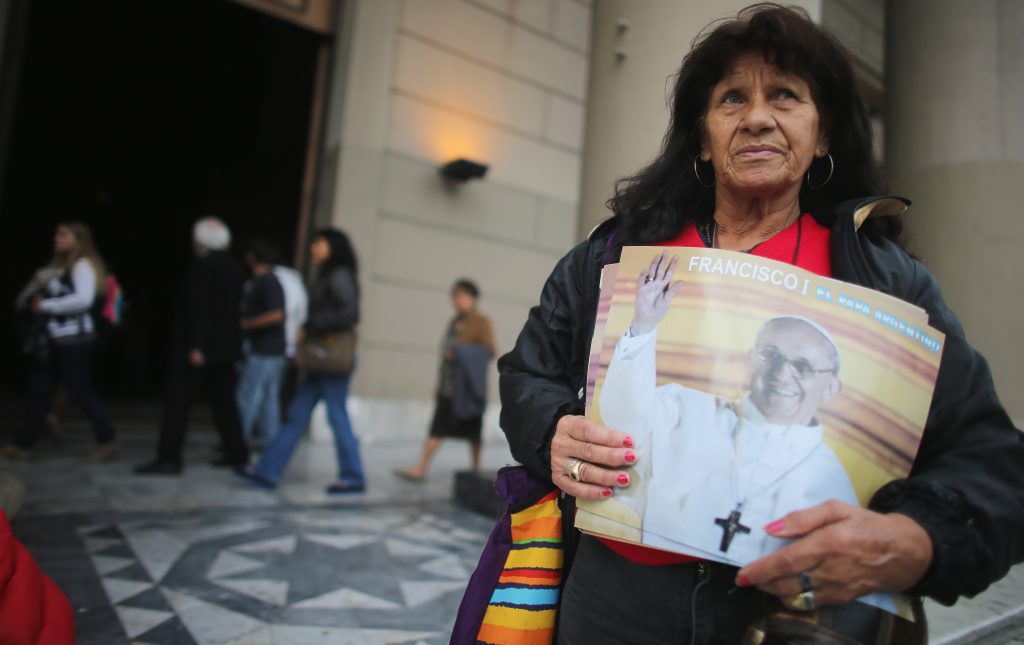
(207, 342)
(263, 317)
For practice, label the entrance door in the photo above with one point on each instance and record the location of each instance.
(137, 118)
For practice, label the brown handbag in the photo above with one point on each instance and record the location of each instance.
(330, 354)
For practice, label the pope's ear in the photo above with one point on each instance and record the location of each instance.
(750, 358)
(834, 387)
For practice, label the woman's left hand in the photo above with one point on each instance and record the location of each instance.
(846, 551)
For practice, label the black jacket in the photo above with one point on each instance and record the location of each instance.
(333, 302)
(209, 309)
(966, 487)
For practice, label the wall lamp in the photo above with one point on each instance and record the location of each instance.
(463, 170)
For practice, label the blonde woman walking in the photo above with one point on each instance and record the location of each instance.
(63, 306)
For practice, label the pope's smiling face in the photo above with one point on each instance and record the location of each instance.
(793, 370)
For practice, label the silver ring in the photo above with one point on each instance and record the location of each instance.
(647, 279)
(803, 601)
(805, 581)
(575, 466)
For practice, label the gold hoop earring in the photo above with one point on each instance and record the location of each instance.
(831, 169)
(697, 174)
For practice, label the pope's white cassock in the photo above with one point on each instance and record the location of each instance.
(704, 460)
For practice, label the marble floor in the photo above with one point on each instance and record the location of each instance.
(206, 558)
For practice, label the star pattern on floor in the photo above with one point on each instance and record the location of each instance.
(330, 575)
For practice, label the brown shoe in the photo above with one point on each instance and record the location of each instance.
(12, 451)
(103, 452)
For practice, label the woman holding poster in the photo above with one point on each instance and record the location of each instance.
(769, 153)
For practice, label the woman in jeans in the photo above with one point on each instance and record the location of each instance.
(63, 352)
(333, 308)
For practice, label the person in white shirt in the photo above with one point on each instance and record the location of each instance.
(296, 305)
(264, 315)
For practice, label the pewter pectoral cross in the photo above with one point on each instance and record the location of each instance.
(730, 527)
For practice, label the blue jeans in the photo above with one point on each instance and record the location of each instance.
(259, 394)
(70, 365)
(334, 392)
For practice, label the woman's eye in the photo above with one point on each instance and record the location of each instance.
(731, 98)
(785, 94)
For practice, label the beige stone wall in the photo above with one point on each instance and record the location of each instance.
(860, 26)
(421, 82)
(956, 147)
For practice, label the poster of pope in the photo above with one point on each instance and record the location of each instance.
(737, 400)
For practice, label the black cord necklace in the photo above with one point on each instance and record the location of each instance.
(708, 233)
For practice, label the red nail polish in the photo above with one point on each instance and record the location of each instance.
(743, 581)
(605, 492)
(623, 478)
(630, 456)
(628, 442)
(773, 527)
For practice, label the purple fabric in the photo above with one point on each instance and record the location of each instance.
(520, 488)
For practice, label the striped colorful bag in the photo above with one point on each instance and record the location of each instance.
(513, 594)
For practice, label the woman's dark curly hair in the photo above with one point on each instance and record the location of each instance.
(342, 253)
(659, 201)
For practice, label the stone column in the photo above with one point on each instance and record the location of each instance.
(955, 146)
(356, 128)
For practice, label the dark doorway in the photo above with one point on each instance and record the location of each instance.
(137, 118)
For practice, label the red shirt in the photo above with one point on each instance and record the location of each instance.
(804, 243)
(805, 240)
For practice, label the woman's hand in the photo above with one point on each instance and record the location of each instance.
(598, 450)
(37, 305)
(847, 552)
(654, 293)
